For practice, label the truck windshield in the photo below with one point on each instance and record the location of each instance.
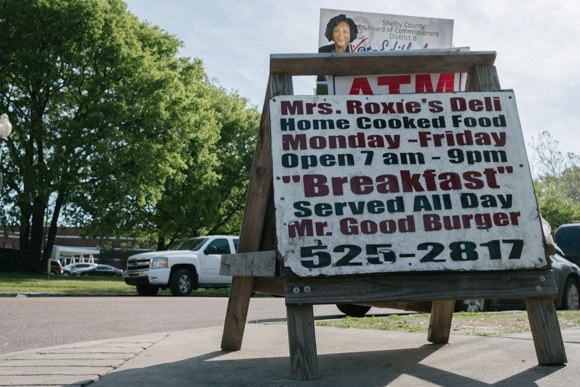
(192, 244)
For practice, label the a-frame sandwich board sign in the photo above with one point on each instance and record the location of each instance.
(307, 274)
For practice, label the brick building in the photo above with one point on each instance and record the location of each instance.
(70, 245)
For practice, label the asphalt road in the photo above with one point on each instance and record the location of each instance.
(36, 322)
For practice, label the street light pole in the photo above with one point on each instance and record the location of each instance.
(5, 130)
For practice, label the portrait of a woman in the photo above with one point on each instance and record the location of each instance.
(342, 31)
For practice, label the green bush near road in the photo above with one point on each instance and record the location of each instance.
(36, 283)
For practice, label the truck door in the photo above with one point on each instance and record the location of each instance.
(210, 261)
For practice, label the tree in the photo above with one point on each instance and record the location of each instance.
(555, 206)
(192, 207)
(101, 113)
(235, 152)
(207, 193)
(558, 186)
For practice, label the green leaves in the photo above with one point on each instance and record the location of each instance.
(113, 129)
(558, 186)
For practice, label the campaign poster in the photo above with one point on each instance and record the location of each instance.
(403, 183)
(350, 31)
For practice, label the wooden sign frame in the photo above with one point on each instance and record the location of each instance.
(256, 267)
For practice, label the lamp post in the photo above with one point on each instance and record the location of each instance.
(5, 130)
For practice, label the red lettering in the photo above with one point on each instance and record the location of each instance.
(501, 219)
(423, 83)
(300, 228)
(429, 176)
(407, 224)
(411, 182)
(361, 185)
(388, 226)
(354, 107)
(394, 82)
(324, 108)
(482, 221)
(474, 183)
(446, 83)
(458, 104)
(368, 227)
(294, 107)
(348, 226)
(490, 177)
(360, 84)
(450, 181)
(389, 184)
(431, 222)
(337, 183)
(315, 185)
(388, 107)
(294, 142)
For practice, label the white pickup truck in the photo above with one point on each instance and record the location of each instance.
(193, 264)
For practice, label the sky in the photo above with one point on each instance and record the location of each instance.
(536, 43)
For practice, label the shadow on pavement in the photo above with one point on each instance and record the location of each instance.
(370, 369)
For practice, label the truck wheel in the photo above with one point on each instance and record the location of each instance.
(353, 310)
(477, 305)
(181, 283)
(147, 290)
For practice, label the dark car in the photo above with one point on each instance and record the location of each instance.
(99, 270)
(568, 239)
(567, 276)
(68, 269)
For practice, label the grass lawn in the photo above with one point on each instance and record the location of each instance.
(35, 283)
(463, 323)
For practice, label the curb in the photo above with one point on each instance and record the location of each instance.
(23, 295)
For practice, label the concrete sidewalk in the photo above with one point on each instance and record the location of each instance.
(346, 357)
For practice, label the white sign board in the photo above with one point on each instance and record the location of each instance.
(398, 183)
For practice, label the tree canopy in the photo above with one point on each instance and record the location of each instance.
(558, 185)
(112, 130)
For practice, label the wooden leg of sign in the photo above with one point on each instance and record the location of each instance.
(302, 342)
(237, 312)
(440, 325)
(252, 228)
(546, 331)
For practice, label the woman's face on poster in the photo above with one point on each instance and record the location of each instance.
(341, 35)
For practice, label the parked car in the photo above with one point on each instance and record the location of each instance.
(55, 267)
(193, 264)
(567, 276)
(68, 269)
(99, 270)
(568, 239)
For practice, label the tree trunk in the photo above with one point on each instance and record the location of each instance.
(31, 237)
(37, 233)
(161, 244)
(53, 228)
(24, 242)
